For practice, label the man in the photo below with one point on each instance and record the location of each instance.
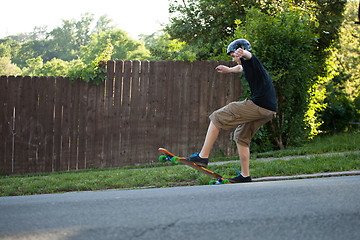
(248, 115)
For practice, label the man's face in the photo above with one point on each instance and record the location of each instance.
(235, 58)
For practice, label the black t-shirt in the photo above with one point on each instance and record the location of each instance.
(261, 87)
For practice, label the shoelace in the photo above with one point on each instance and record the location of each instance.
(195, 154)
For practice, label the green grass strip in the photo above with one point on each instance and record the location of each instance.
(167, 176)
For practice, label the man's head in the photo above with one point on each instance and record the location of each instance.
(239, 43)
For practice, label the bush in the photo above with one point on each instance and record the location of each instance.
(284, 42)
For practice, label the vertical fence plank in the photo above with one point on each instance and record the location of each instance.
(13, 161)
(100, 126)
(91, 127)
(135, 131)
(108, 114)
(4, 124)
(57, 122)
(74, 126)
(82, 137)
(125, 113)
(205, 70)
(169, 107)
(116, 129)
(186, 109)
(177, 112)
(160, 113)
(145, 152)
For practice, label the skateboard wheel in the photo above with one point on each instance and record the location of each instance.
(175, 160)
(213, 182)
(162, 158)
(226, 181)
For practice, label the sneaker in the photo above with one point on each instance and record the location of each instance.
(195, 158)
(240, 179)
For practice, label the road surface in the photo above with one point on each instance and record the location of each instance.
(324, 208)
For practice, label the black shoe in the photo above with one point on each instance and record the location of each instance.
(195, 158)
(240, 179)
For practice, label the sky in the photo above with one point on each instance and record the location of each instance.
(133, 16)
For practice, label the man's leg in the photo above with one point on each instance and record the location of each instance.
(211, 136)
(244, 154)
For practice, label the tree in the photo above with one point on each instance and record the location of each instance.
(124, 47)
(343, 92)
(162, 47)
(206, 24)
(7, 68)
(285, 42)
(347, 53)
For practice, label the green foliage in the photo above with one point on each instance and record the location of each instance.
(343, 89)
(285, 42)
(55, 67)
(340, 110)
(123, 47)
(206, 25)
(72, 49)
(95, 70)
(161, 47)
(7, 67)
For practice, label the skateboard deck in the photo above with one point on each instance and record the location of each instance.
(168, 156)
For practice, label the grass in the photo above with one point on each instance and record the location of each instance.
(150, 176)
(324, 144)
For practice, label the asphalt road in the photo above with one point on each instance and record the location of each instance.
(325, 208)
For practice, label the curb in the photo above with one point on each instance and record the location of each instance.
(303, 176)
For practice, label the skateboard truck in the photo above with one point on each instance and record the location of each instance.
(168, 158)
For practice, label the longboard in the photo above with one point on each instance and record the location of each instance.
(168, 156)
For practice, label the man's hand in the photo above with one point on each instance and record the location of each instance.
(222, 69)
(225, 69)
(242, 53)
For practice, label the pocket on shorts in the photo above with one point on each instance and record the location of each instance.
(266, 113)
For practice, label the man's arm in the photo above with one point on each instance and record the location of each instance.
(226, 69)
(241, 53)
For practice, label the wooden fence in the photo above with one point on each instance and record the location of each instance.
(51, 124)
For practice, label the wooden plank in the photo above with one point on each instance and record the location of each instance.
(160, 113)
(4, 124)
(186, 110)
(65, 125)
(74, 126)
(125, 113)
(203, 122)
(108, 114)
(100, 126)
(194, 143)
(13, 163)
(143, 109)
(151, 118)
(135, 132)
(44, 123)
(170, 110)
(59, 85)
(179, 95)
(91, 127)
(82, 137)
(22, 123)
(49, 129)
(31, 115)
(116, 129)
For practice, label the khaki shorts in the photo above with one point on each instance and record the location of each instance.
(245, 115)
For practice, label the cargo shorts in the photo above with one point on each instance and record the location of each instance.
(246, 116)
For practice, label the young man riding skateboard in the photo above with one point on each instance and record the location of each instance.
(248, 115)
